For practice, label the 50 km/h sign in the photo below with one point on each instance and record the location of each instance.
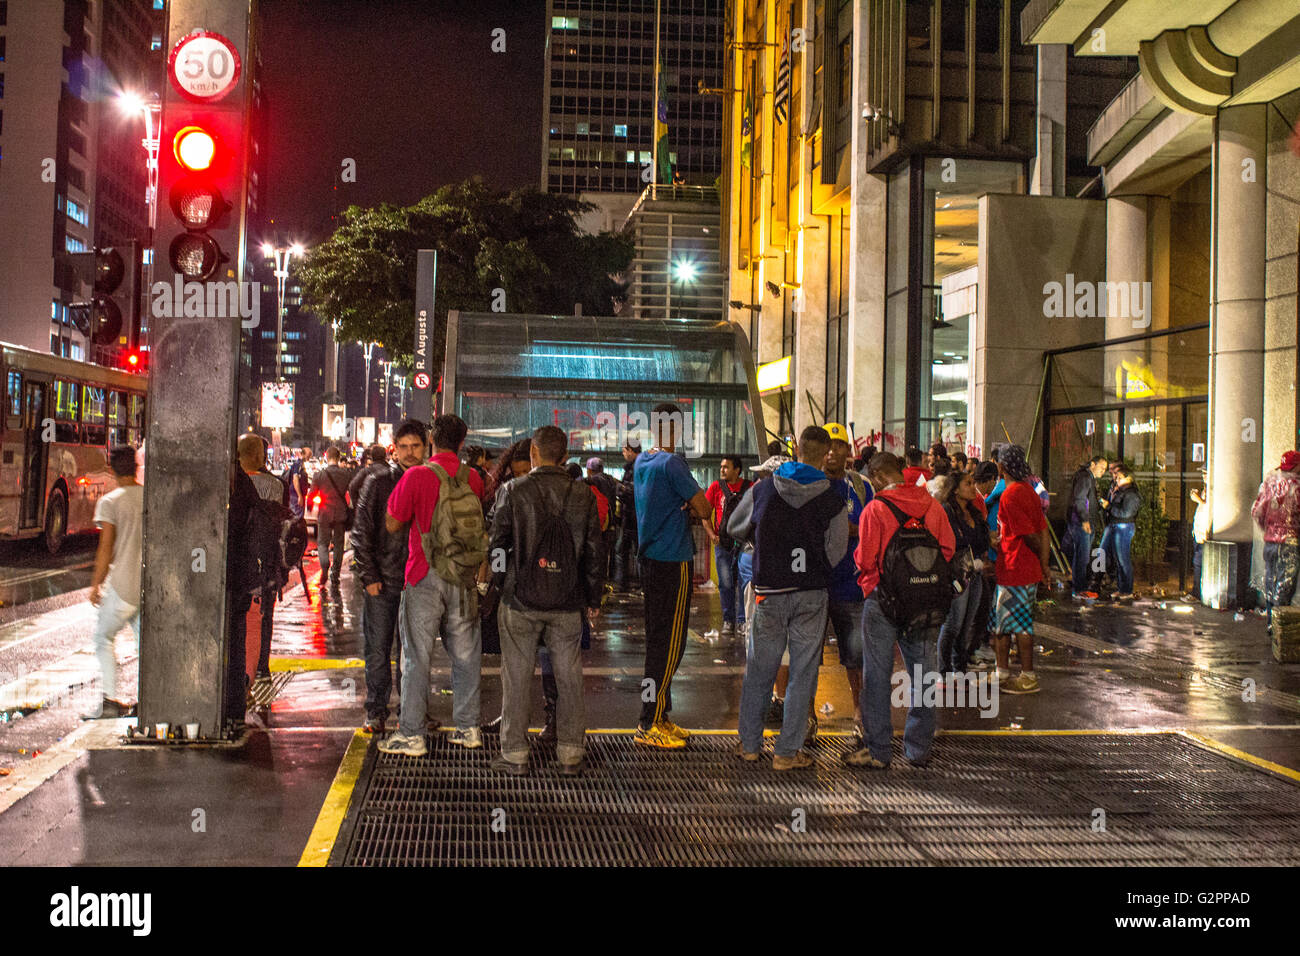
(203, 66)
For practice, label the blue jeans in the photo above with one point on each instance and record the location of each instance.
(1281, 562)
(428, 608)
(880, 634)
(726, 562)
(846, 622)
(111, 616)
(957, 636)
(379, 627)
(1197, 551)
(1078, 548)
(799, 618)
(1117, 545)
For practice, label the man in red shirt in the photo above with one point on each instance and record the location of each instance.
(919, 645)
(1022, 564)
(726, 550)
(430, 604)
(916, 472)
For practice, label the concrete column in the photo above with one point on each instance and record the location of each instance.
(810, 329)
(866, 251)
(1237, 319)
(1048, 175)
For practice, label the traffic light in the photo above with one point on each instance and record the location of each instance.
(115, 301)
(204, 146)
(135, 361)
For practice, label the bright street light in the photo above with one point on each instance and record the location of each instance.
(685, 270)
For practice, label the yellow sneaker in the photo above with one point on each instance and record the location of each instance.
(669, 727)
(658, 736)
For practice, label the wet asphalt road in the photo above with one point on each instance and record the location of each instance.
(29, 573)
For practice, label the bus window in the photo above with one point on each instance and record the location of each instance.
(93, 410)
(135, 419)
(67, 396)
(15, 392)
(116, 418)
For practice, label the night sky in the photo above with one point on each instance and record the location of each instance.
(410, 89)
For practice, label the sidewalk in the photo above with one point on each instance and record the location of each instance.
(87, 798)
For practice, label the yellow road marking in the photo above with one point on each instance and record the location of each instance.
(315, 663)
(335, 807)
(1226, 750)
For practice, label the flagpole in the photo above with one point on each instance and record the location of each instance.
(654, 121)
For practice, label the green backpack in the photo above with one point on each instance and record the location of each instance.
(456, 543)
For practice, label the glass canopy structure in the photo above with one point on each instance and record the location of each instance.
(598, 378)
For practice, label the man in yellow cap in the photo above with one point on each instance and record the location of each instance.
(845, 607)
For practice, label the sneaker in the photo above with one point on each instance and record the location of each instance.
(775, 711)
(1123, 597)
(669, 727)
(470, 738)
(728, 627)
(797, 761)
(863, 758)
(110, 710)
(984, 655)
(493, 726)
(1019, 684)
(657, 736)
(373, 726)
(571, 769)
(256, 717)
(502, 765)
(749, 756)
(399, 744)
(811, 736)
(549, 732)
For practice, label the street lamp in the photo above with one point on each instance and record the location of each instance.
(281, 255)
(150, 107)
(369, 350)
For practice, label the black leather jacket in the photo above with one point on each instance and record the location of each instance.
(515, 516)
(1125, 503)
(379, 557)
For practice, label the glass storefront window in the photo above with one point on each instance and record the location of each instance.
(950, 247)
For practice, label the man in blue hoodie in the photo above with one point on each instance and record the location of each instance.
(799, 526)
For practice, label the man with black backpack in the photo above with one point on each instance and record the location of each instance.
(905, 544)
(725, 494)
(331, 486)
(446, 545)
(380, 563)
(546, 531)
(800, 529)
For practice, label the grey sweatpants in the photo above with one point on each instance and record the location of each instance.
(561, 632)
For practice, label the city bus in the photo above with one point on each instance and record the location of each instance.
(60, 417)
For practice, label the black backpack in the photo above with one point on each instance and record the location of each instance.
(277, 541)
(917, 584)
(548, 576)
(731, 500)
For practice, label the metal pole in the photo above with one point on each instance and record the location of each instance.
(654, 119)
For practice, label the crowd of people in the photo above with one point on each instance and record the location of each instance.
(940, 556)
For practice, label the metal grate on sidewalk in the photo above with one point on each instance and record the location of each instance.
(982, 801)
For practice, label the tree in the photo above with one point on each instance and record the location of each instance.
(524, 242)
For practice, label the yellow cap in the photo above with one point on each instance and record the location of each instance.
(836, 430)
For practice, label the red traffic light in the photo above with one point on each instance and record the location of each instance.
(195, 148)
(133, 360)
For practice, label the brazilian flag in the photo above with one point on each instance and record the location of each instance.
(661, 128)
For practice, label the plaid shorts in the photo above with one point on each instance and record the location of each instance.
(1013, 609)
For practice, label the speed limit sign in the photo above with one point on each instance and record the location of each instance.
(203, 66)
(422, 380)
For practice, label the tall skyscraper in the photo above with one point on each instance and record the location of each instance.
(72, 167)
(599, 93)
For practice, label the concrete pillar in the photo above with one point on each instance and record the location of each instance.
(1048, 176)
(1237, 319)
(866, 251)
